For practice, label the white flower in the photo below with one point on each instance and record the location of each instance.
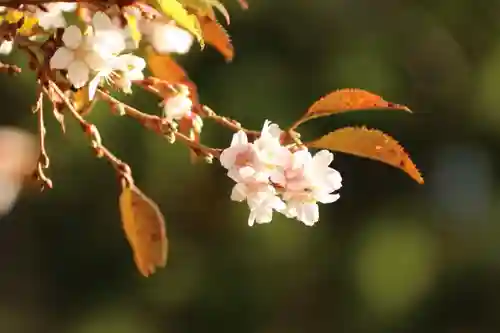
(6, 47)
(167, 38)
(239, 159)
(53, 17)
(92, 52)
(270, 153)
(126, 67)
(106, 36)
(308, 180)
(130, 68)
(271, 178)
(261, 198)
(178, 106)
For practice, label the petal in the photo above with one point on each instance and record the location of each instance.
(263, 215)
(6, 46)
(301, 158)
(93, 85)
(78, 73)
(133, 62)
(308, 213)
(239, 192)
(72, 37)
(239, 138)
(49, 20)
(322, 158)
(227, 158)
(167, 38)
(101, 21)
(327, 198)
(251, 218)
(246, 172)
(96, 62)
(67, 6)
(61, 58)
(135, 75)
(108, 41)
(277, 204)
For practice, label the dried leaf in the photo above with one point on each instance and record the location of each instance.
(144, 228)
(164, 67)
(215, 35)
(369, 143)
(348, 99)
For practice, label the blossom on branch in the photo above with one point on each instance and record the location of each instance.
(271, 177)
(107, 50)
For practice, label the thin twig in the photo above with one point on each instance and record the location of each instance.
(101, 151)
(204, 110)
(43, 159)
(158, 124)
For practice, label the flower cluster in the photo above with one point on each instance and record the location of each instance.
(271, 177)
(103, 51)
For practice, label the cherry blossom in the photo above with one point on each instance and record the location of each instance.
(308, 180)
(53, 17)
(179, 105)
(6, 47)
(272, 178)
(126, 68)
(261, 199)
(166, 37)
(92, 52)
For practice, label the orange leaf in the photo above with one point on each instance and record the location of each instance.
(215, 35)
(369, 143)
(164, 67)
(144, 228)
(348, 99)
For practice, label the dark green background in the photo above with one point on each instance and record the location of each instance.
(390, 256)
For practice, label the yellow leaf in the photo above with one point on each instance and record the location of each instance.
(134, 29)
(81, 99)
(206, 8)
(348, 99)
(369, 143)
(215, 35)
(164, 67)
(175, 10)
(26, 29)
(144, 228)
(13, 16)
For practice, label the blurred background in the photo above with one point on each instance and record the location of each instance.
(391, 256)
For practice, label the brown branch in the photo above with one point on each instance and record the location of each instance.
(156, 124)
(203, 110)
(9, 69)
(101, 151)
(43, 159)
(17, 3)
